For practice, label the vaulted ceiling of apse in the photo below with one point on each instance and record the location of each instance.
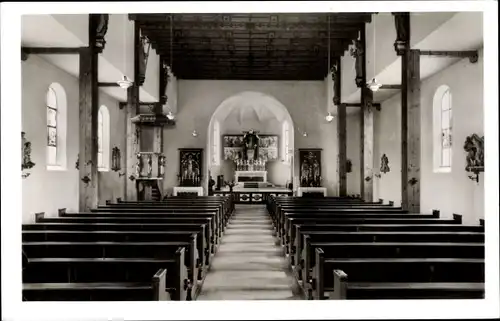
(251, 46)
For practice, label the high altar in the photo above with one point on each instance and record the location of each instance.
(251, 152)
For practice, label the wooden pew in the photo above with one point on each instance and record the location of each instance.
(345, 256)
(182, 238)
(380, 233)
(398, 249)
(219, 220)
(406, 271)
(200, 229)
(282, 213)
(134, 218)
(152, 217)
(284, 228)
(155, 290)
(286, 237)
(114, 270)
(343, 290)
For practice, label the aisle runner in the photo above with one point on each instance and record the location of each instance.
(248, 265)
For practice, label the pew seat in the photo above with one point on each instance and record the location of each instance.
(94, 291)
(343, 290)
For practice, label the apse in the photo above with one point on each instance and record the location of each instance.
(271, 122)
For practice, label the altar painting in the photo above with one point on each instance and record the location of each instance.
(234, 147)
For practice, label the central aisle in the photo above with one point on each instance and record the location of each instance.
(248, 265)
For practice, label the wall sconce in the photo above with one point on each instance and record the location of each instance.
(329, 117)
(26, 155)
(195, 133)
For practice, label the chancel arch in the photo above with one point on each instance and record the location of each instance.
(269, 119)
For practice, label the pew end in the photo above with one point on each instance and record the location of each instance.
(380, 201)
(160, 286)
(457, 218)
(436, 213)
(481, 221)
(182, 283)
(319, 286)
(339, 285)
(391, 203)
(39, 216)
(61, 212)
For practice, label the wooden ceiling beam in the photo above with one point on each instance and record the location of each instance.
(342, 18)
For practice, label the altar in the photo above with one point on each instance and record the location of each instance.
(250, 176)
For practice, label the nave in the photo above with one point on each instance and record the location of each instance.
(206, 248)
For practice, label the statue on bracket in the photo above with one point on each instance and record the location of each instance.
(26, 155)
(384, 164)
(474, 147)
(357, 51)
(402, 24)
(251, 145)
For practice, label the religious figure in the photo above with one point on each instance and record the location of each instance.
(401, 21)
(384, 164)
(138, 165)
(474, 146)
(251, 145)
(304, 179)
(357, 53)
(211, 184)
(316, 172)
(26, 153)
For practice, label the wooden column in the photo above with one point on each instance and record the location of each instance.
(133, 142)
(133, 131)
(341, 127)
(88, 113)
(366, 129)
(367, 145)
(410, 131)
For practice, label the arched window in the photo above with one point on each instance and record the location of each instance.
(103, 131)
(286, 142)
(55, 102)
(216, 144)
(443, 129)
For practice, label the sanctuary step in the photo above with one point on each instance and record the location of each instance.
(249, 265)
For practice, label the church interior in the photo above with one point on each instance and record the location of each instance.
(253, 156)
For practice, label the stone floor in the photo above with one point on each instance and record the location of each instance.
(249, 265)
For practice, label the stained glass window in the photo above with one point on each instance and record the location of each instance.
(51, 102)
(99, 139)
(446, 129)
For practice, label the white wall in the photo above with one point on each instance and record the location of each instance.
(449, 192)
(111, 184)
(353, 152)
(387, 133)
(47, 191)
(305, 101)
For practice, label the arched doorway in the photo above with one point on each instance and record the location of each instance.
(242, 112)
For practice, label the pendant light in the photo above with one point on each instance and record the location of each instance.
(170, 115)
(125, 83)
(373, 84)
(328, 117)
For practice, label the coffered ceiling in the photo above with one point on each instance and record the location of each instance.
(250, 46)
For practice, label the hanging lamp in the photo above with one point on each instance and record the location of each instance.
(374, 85)
(328, 117)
